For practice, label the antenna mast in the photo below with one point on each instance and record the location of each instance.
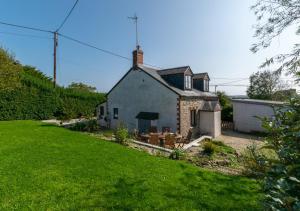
(135, 19)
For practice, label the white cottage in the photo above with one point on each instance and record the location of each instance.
(174, 98)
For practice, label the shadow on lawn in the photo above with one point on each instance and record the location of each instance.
(194, 190)
(127, 194)
(214, 191)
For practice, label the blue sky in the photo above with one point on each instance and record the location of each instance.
(211, 36)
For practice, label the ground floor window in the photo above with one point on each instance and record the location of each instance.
(101, 111)
(116, 113)
(193, 118)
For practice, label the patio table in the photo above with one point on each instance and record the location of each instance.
(145, 137)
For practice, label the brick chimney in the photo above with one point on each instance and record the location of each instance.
(138, 56)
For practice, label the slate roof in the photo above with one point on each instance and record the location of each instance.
(175, 70)
(200, 75)
(211, 106)
(259, 102)
(155, 73)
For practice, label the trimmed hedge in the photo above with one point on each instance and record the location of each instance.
(37, 99)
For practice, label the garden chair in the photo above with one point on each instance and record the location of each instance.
(154, 139)
(189, 136)
(166, 129)
(153, 129)
(170, 140)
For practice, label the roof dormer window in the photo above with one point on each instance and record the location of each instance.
(188, 82)
(206, 85)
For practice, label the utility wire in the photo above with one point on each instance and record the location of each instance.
(92, 46)
(227, 78)
(229, 85)
(24, 35)
(100, 49)
(66, 18)
(232, 82)
(25, 27)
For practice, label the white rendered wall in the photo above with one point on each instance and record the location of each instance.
(244, 116)
(139, 92)
(210, 123)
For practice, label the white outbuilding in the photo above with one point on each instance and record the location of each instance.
(247, 111)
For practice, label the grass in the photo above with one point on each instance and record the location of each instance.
(47, 167)
(221, 147)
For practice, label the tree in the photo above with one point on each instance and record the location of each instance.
(282, 181)
(227, 110)
(263, 85)
(82, 87)
(273, 18)
(10, 71)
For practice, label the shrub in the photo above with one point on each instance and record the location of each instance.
(177, 154)
(26, 93)
(209, 147)
(87, 126)
(254, 161)
(121, 135)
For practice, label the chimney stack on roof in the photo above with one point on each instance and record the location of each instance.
(138, 56)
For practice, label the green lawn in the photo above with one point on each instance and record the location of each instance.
(46, 167)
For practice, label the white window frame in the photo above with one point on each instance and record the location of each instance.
(188, 82)
(206, 85)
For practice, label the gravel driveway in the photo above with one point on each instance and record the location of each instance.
(239, 141)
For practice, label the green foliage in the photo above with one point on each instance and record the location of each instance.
(263, 85)
(82, 87)
(26, 93)
(282, 183)
(177, 154)
(284, 95)
(209, 147)
(86, 126)
(121, 135)
(254, 162)
(221, 147)
(227, 110)
(9, 71)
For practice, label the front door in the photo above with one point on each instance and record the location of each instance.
(144, 125)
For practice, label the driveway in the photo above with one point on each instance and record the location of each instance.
(239, 141)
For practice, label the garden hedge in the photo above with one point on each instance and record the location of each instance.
(37, 99)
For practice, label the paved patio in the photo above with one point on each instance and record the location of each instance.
(239, 141)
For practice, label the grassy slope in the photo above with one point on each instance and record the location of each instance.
(43, 166)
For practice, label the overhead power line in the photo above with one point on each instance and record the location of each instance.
(101, 49)
(26, 27)
(227, 78)
(232, 82)
(229, 85)
(24, 35)
(66, 18)
(92, 46)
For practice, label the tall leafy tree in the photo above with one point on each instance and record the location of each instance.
(282, 181)
(273, 18)
(263, 85)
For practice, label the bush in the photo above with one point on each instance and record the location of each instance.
(86, 126)
(209, 147)
(254, 162)
(37, 99)
(121, 135)
(177, 154)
